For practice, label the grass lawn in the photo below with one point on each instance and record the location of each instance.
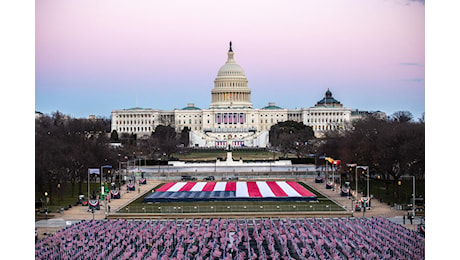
(63, 197)
(245, 155)
(377, 188)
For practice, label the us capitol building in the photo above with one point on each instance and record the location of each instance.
(231, 118)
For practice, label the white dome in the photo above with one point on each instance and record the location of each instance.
(230, 68)
(230, 86)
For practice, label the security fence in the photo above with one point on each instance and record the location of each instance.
(210, 208)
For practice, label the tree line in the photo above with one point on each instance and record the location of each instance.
(392, 147)
(65, 148)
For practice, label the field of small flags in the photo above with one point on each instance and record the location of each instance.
(299, 238)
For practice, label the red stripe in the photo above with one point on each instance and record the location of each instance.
(253, 189)
(276, 189)
(188, 186)
(300, 189)
(166, 186)
(209, 186)
(230, 186)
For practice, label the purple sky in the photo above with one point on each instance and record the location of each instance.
(92, 57)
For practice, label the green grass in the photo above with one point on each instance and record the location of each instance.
(377, 188)
(245, 155)
(63, 197)
(200, 156)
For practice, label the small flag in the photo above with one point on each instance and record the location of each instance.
(329, 159)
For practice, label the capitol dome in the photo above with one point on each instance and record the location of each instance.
(231, 68)
(231, 85)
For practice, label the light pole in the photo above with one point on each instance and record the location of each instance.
(367, 201)
(413, 196)
(367, 169)
(368, 177)
(88, 186)
(356, 175)
(413, 193)
(333, 178)
(106, 204)
(46, 204)
(101, 174)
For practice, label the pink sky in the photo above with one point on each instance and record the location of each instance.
(165, 54)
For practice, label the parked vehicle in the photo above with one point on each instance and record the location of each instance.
(209, 178)
(188, 178)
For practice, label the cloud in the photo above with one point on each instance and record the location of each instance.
(411, 64)
(408, 2)
(414, 80)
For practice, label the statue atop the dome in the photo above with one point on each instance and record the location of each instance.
(230, 47)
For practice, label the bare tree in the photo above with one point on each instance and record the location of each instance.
(390, 148)
(402, 116)
(291, 136)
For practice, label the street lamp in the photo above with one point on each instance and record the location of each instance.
(46, 204)
(356, 175)
(367, 194)
(413, 192)
(367, 169)
(102, 173)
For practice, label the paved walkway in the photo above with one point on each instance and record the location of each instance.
(378, 209)
(77, 213)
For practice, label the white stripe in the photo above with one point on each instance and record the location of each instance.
(198, 186)
(220, 186)
(242, 189)
(288, 189)
(264, 189)
(177, 186)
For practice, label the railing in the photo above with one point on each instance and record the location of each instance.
(157, 209)
(220, 176)
(230, 130)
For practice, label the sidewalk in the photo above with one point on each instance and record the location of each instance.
(78, 213)
(378, 209)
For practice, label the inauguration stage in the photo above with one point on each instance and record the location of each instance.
(231, 191)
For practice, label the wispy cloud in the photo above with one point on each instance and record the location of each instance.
(407, 2)
(411, 64)
(414, 80)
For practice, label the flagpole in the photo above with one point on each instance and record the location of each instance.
(88, 184)
(368, 182)
(333, 180)
(356, 180)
